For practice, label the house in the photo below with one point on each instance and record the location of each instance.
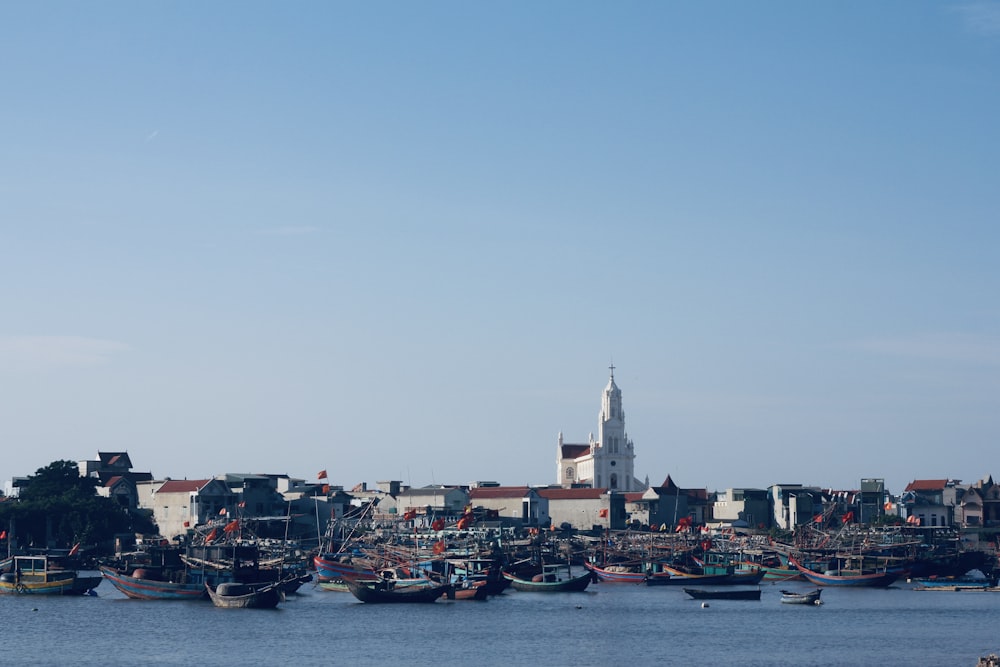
(180, 505)
(744, 506)
(447, 502)
(931, 502)
(116, 477)
(668, 504)
(989, 494)
(794, 504)
(512, 505)
(585, 508)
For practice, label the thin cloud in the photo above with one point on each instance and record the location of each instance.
(152, 135)
(290, 230)
(40, 353)
(981, 18)
(955, 347)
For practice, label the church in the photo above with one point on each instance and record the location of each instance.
(608, 461)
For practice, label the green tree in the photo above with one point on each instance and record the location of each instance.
(58, 507)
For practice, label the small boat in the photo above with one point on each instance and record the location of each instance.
(246, 596)
(791, 597)
(671, 576)
(863, 578)
(617, 573)
(724, 594)
(470, 590)
(385, 591)
(142, 585)
(553, 579)
(41, 575)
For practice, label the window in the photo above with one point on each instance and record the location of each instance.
(569, 473)
(614, 481)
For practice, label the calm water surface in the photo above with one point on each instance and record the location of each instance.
(610, 624)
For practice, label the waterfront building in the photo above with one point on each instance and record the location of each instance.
(512, 505)
(607, 461)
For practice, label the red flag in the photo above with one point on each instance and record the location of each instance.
(409, 514)
(321, 474)
(231, 526)
(818, 518)
(439, 547)
(211, 535)
(75, 550)
(223, 512)
(848, 517)
(465, 522)
(3, 535)
(187, 524)
(603, 513)
(242, 504)
(438, 524)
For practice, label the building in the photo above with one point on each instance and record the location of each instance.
(512, 505)
(585, 508)
(752, 507)
(607, 461)
(181, 504)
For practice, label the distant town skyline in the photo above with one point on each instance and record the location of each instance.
(405, 241)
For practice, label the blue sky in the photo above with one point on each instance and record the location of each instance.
(405, 240)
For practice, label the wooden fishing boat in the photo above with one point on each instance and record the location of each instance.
(245, 596)
(40, 575)
(724, 594)
(844, 577)
(471, 590)
(553, 579)
(791, 597)
(671, 576)
(380, 591)
(141, 585)
(617, 573)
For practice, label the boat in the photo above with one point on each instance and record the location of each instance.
(617, 573)
(470, 590)
(670, 576)
(380, 590)
(724, 594)
(791, 597)
(971, 581)
(43, 575)
(554, 578)
(141, 585)
(178, 573)
(232, 595)
(847, 577)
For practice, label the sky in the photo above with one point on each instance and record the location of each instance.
(401, 240)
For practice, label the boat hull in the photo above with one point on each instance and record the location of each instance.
(700, 594)
(575, 584)
(377, 592)
(148, 589)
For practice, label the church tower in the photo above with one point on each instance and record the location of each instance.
(614, 455)
(607, 461)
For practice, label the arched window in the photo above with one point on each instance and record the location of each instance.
(569, 473)
(614, 481)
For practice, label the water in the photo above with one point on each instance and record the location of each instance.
(610, 624)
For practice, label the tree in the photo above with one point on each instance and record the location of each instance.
(58, 507)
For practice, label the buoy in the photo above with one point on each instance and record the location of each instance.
(704, 605)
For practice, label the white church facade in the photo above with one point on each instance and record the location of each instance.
(607, 461)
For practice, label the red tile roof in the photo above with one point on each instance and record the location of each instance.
(927, 485)
(182, 485)
(484, 492)
(571, 494)
(575, 451)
